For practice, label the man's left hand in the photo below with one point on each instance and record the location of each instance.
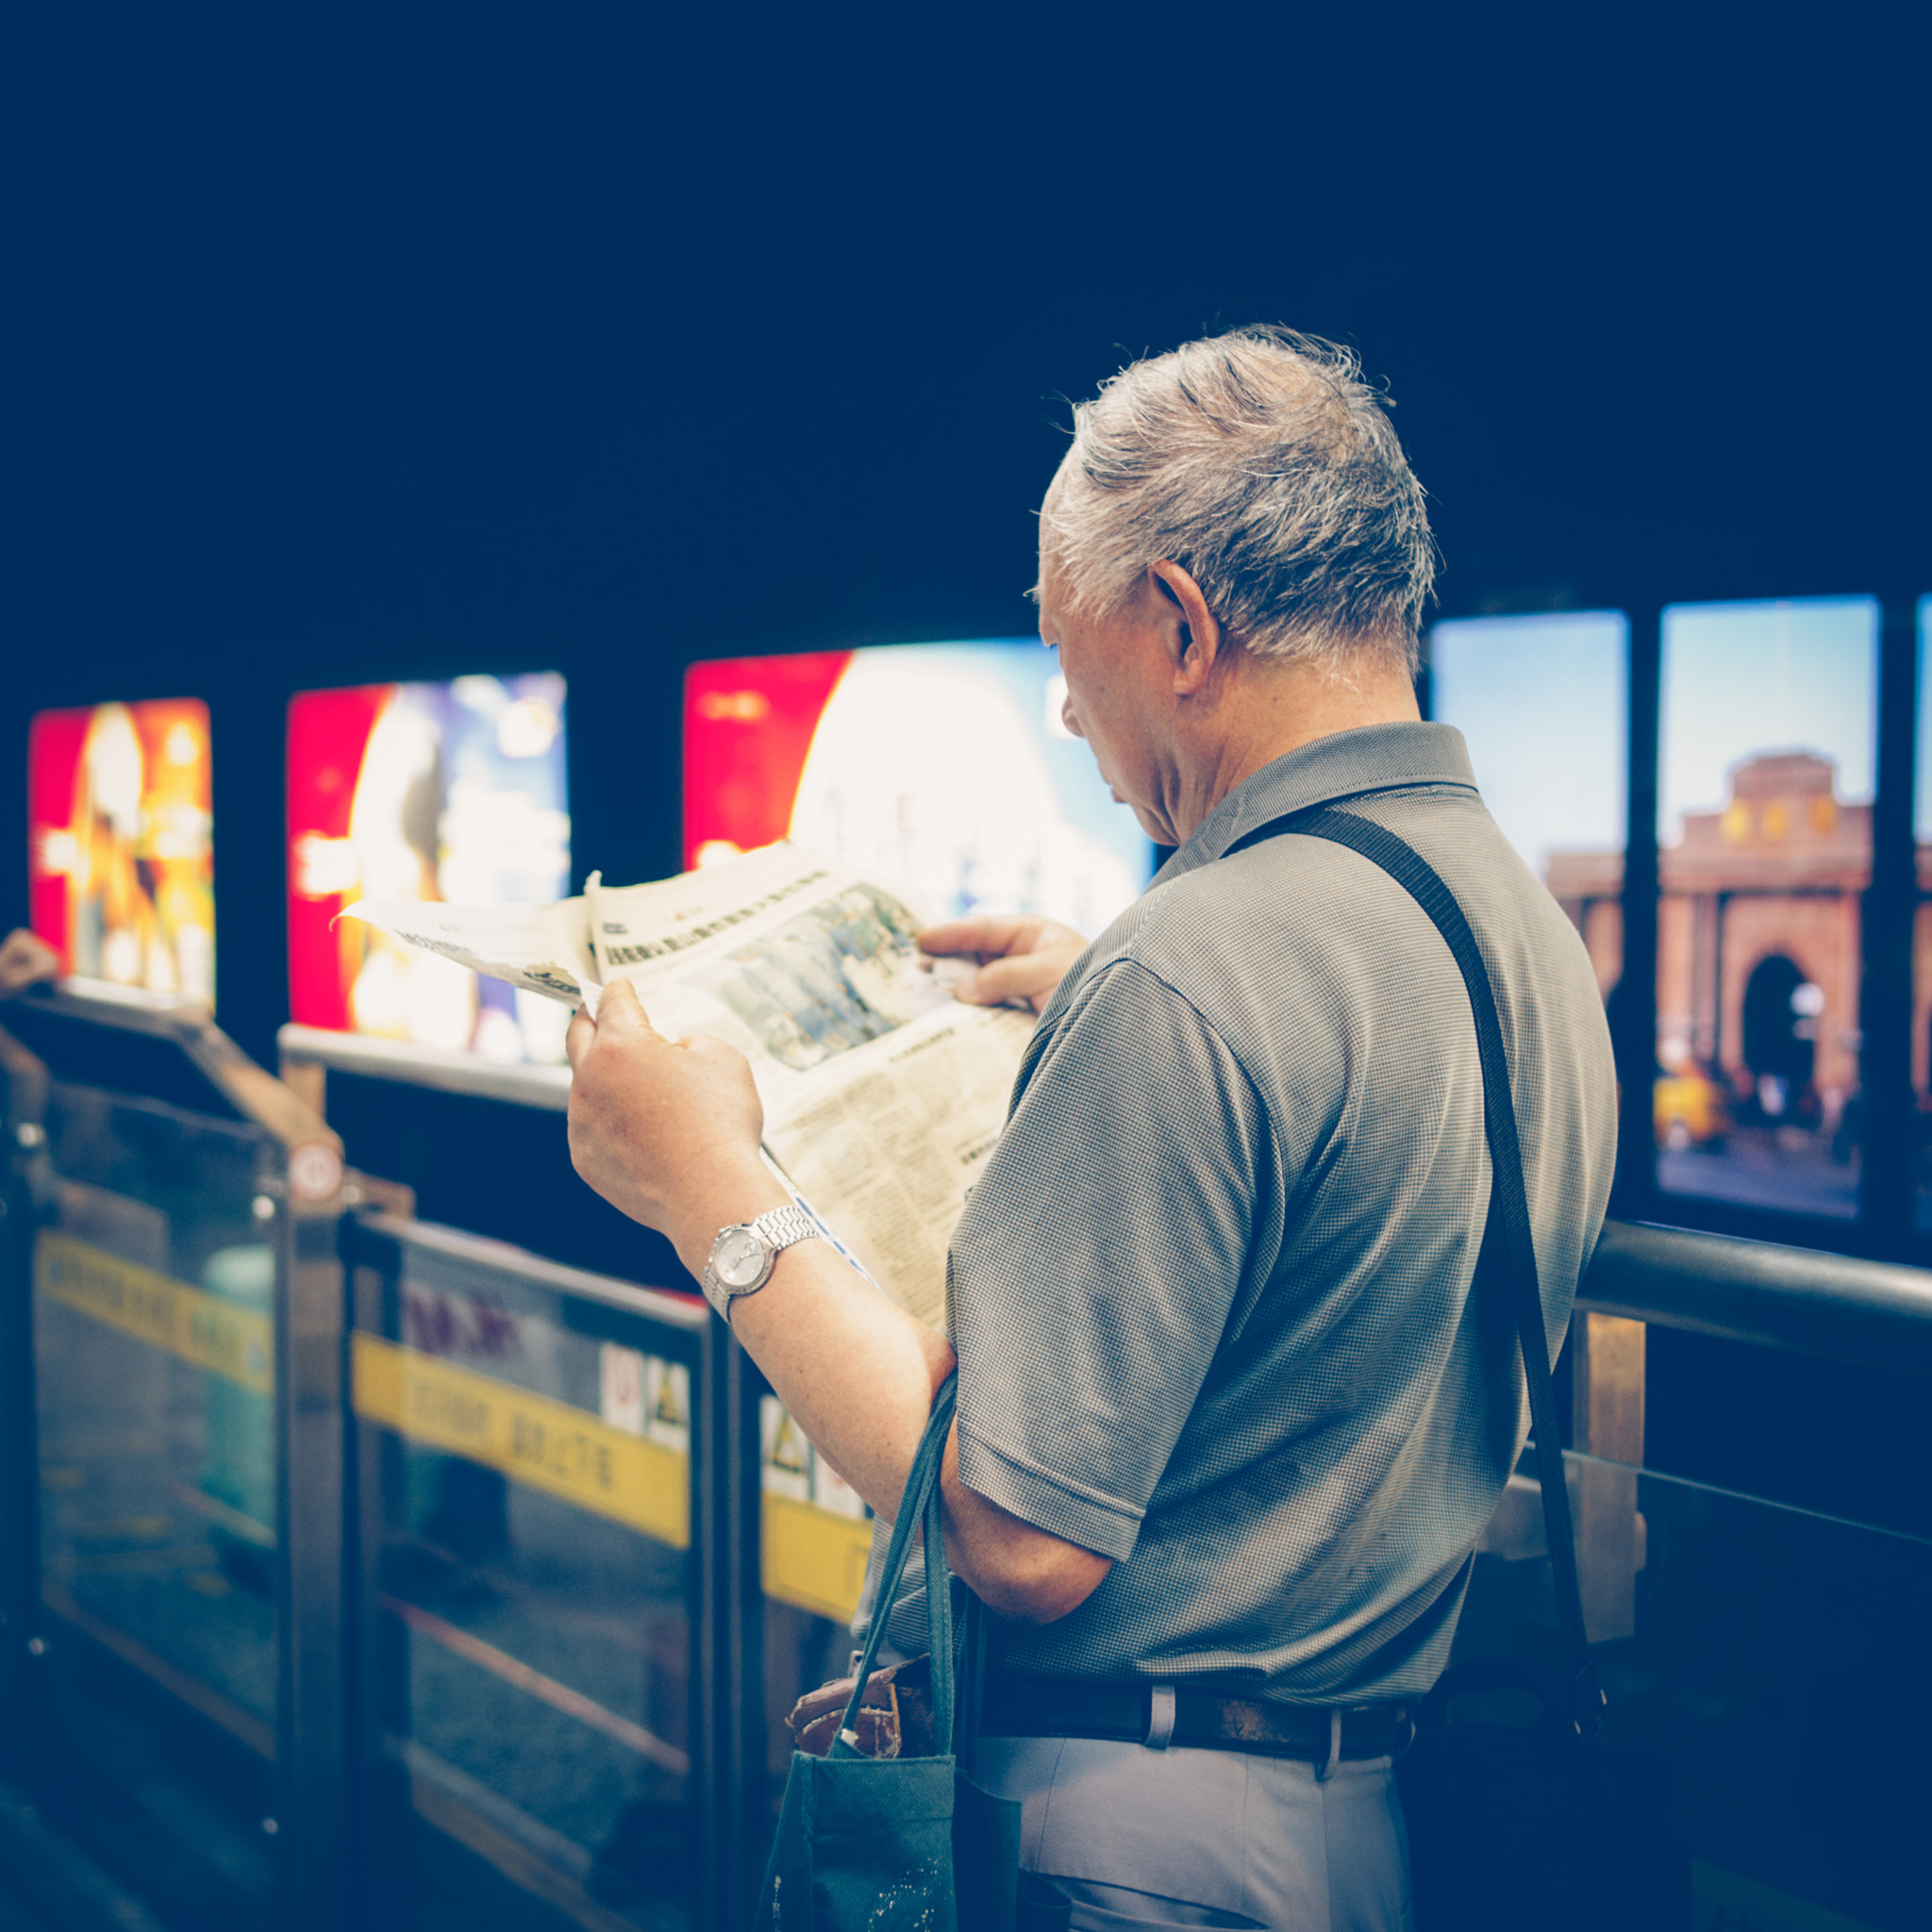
(667, 1131)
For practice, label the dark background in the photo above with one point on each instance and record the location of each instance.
(600, 339)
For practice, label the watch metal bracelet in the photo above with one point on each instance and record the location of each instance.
(773, 1231)
(782, 1227)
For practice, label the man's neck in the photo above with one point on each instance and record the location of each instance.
(1266, 710)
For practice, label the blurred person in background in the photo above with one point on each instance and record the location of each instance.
(25, 958)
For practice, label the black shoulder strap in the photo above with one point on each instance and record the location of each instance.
(1508, 1210)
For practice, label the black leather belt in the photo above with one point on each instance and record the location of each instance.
(1162, 1715)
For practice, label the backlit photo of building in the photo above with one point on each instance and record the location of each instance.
(1758, 961)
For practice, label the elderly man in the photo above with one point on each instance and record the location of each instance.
(1229, 1420)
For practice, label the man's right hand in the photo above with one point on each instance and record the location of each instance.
(1020, 957)
(24, 959)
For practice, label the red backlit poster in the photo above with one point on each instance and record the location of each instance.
(120, 856)
(946, 768)
(422, 791)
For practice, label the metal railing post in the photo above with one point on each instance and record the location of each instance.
(312, 1693)
(1606, 1385)
(23, 1095)
(1633, 1000)
(1888, 1132)
(741, 1705)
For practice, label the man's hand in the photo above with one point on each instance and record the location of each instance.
(667, 1131)
(1020, 957)
(24, 958)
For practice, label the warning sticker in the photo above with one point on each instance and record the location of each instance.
(815, 1529)
(201, 1328)
(550, 1445)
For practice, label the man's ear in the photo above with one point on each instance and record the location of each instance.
(1197, 637)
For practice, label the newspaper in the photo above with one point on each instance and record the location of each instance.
(883, 1094)
(544, 949)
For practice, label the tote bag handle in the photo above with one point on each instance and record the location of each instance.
(919, 1502)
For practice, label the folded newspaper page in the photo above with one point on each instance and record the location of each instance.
(542, 949)
(883, 1094)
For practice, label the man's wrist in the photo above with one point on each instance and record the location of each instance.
(728, 1200)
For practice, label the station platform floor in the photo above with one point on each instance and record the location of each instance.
(47, 1884)
(19, 1912)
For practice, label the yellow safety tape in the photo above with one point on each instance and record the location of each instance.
(201, 1328)
(812, 1558)
(548, 1444)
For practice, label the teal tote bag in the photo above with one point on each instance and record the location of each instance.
(884, 1843)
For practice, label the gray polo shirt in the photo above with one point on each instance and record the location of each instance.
(1211, 1296)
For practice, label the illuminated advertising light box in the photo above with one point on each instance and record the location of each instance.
(1542, 703)
(945, 768)
(423, 791)
(1767, 752)
(120, 854)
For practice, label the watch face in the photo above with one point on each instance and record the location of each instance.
(738, 1257)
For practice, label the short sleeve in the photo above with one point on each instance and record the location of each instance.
(1095, 1266)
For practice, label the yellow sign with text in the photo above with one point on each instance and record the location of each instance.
(812, 1558)
(201, 1328)
(547, 1444)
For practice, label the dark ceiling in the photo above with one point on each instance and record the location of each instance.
(605, 339)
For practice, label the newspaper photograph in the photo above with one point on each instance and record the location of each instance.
(883, 1094)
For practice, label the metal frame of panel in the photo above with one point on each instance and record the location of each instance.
(24, 1102)
(311, 1688)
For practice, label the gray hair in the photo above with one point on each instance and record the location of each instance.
(1263, 464)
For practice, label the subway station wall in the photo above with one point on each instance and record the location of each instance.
(949, 766)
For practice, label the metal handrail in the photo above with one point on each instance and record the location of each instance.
(1872, 1314)
(1868, 1313)
(233, 1081)
(449, 1072)
(674, 1307)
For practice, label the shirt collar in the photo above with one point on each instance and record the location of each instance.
(1373, 757)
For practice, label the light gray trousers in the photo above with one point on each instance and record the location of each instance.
(1137, 1837)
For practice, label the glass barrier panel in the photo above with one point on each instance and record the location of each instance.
(154, 1314)
(1767, 749)
(1542, 703)
(529, 1576)
(1750, 1657)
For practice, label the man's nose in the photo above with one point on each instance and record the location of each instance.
(1066, 717)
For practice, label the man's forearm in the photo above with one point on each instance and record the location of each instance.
(859, 1376)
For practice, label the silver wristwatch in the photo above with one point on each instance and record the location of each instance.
(744, 1255)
